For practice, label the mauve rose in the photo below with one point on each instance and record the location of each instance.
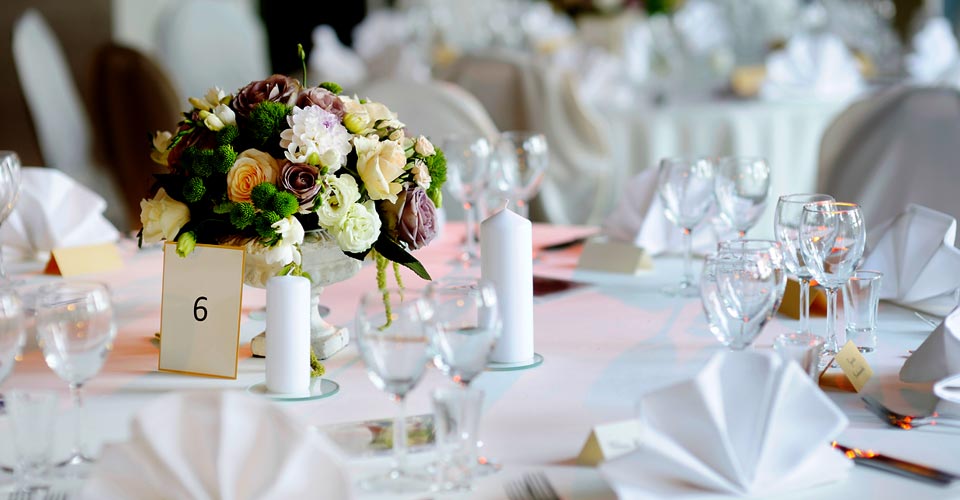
(277, 88)
(412, 219)
(300, 179)
(328, 101)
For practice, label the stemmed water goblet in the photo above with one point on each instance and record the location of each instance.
(75, 330)
(464, 329)
(832, 238)
(686, 191)
(9, 193)
(12, 326)
(741, 187)
(520, 163)
(468, 176)
(392, 337)
(787, 227)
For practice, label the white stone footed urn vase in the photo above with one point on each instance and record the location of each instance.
(326, 264)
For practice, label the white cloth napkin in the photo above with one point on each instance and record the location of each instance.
(639, 219)
(936, 55)
(921, 266)
(332, 61)
(812, 65)
(217, 445)
(747, 424)
(55, 211)
(703, 25)
(938, 356)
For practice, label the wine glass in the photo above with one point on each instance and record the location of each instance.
(832, 237)
(686, 191)
(741, 187)
(9, 193)
(12, 337)
(468, 175)
(786, 224)
(392, 337)
(75, 330)
(771, 247)
(749, 283)
(519, 167)
(465, 327)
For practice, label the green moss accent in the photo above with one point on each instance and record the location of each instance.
(194, 190)
(437, 167)
(263, 222)
(224, 158)
(284, 204)
(267, 120)
(332, 87)
(198, 161)
(242, 215)
(262, 195)
(316, 367)
(227, 135)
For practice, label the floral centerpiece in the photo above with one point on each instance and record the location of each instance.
(261, 167)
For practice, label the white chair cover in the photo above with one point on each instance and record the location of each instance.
(434, 109)
(60, 119)
(525, 94)
(894, 148)
(206, 43)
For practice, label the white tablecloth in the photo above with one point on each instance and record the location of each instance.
(786, 133)
(603, 347)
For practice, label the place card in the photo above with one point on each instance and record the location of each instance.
(601, 254)
(200, 310)
(854, 365)
(610, 441)
(87, 259)
(790, 304)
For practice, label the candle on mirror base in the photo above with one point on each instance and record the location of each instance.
(288, 335)
(506, 249)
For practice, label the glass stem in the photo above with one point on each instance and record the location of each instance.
(470, 220)
(400, 436)
(3, 269)
(687, 254)
(804, 305)
(76, 394)
(832, 341)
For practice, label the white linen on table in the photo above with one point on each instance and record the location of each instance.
(938, 356)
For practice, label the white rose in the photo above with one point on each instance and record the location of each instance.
(379, 163)
(340, 194)
(162, 217)
(421, 174)
(359, 229)
(424, 147)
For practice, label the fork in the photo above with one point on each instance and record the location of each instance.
(533, 486)
(904, 421)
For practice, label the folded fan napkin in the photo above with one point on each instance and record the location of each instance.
(812, 65)
(55, 211)
(915, 252)
(639, 219)
(747, 424)
(217, 445)
(936, 55)
(332, 61)
(938, 356)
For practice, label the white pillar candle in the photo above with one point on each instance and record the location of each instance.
(506, 260)
(288, 335)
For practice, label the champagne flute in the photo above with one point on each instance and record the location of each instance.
(832, 237)
(686, 191)
(520, 164)
(391, 333)
(464, 330)
(9, 193)
(786, 224)
(750, 283)
(468, 175)
(75, 330)
(741, 187)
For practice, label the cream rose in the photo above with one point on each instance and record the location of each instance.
(162, 217)
(424, 146)
(251, 168)
(340, 193)
(379, 164)
(359, 228)
(421, 174)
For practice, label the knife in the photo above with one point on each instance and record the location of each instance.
(896, 466)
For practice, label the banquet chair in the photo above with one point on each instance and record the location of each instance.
(130, 80)
(895, 147)
(434, 109)
(206, 43)
(522, 93)
(60, 119)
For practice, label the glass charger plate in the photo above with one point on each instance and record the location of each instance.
(522, 365)
(324, 389)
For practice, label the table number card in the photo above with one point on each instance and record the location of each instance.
(200, 310)
(854, 365)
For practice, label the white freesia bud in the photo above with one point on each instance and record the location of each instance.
(396, 135)
(226, 115)
(212, 121)
(213, 98)
(161, 146)
(424, 147)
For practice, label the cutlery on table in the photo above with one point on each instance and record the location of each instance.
(563, 245)
(904, 421)
(533, 486)
(896, 466)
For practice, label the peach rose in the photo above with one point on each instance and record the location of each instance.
(250, 170)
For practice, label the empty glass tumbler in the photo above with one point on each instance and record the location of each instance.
(861, 296)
